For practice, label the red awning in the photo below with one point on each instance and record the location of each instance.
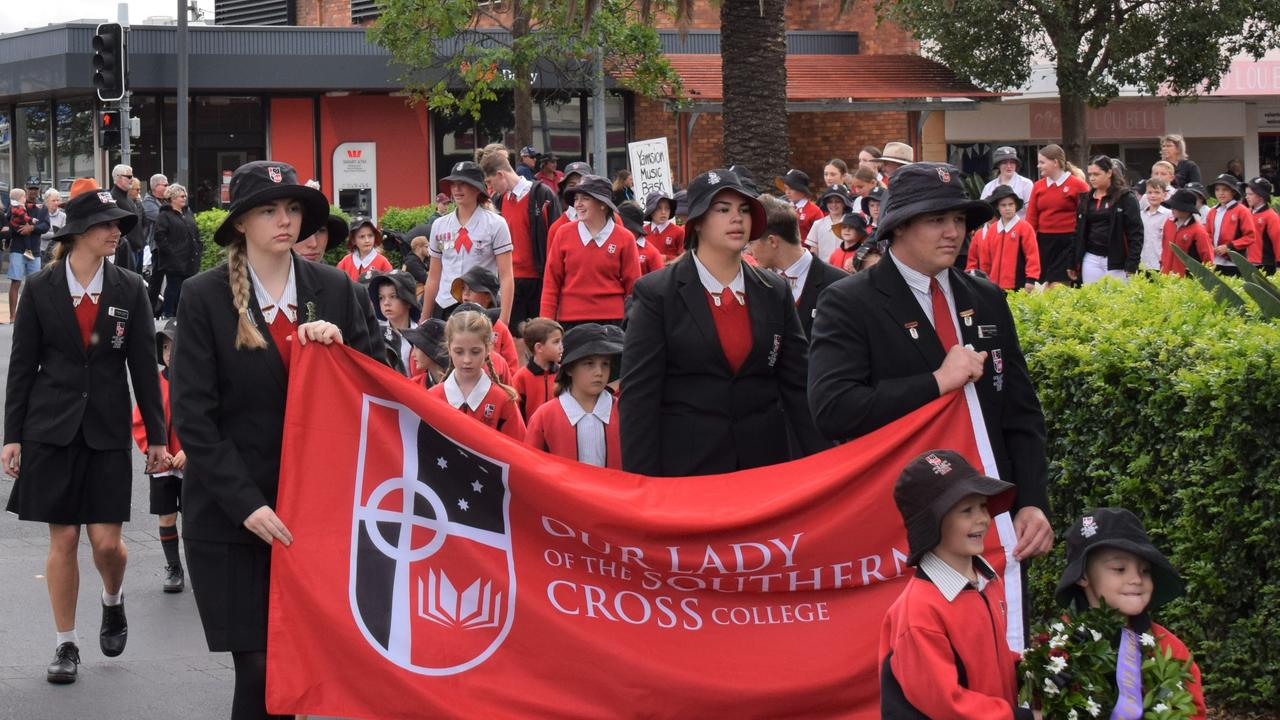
(838, 77)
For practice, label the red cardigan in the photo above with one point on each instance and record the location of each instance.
(550, 431)
(348, 265)
(1053, 209)
(650, 257)
(535, 386)
(922, 638)
(589, 282)
(998, 255)
(497, 410)
(1193, 235)
(1237, 231)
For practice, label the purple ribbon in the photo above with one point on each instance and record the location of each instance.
(1129, 678)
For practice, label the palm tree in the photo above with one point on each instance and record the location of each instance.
(753, 54)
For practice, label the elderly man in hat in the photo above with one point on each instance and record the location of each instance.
(923, 330)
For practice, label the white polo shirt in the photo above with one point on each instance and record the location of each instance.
(489, 236)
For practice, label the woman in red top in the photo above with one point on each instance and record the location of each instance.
(1051, 212)
(592, 262)
(472, 385)
(581, 421)
(715, 362)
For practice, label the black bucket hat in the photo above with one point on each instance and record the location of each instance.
(477, 278)
(876, 194)
(492, 313)
(468, 173)
(931, 484)
(651, 204)
(855, 221)
(592, 186)
(1003, 153)
(708, 185)
(339, 231)
(359, 222)
(632, 218)
(1229, 181)
(836, 191)
(406, 289)
(1261, 186)
(429, 338)
(93, 208)
(794, 179)
(1119, 529)
(1184, 200)
(744, 174)
(1199, 190)
(586, 340)
(1000, 193)
(264, 181)
(166, 331)
(925, 187)
(575, 168)
(682, 204)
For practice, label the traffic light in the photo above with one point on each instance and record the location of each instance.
(109, 121)
(109, 62)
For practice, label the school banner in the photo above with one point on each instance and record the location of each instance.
(440, 569)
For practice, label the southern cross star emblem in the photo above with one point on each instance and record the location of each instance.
(476, 486)
(442, 463)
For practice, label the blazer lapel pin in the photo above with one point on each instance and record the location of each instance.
(911, 329)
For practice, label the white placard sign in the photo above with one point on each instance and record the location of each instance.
(650, 166)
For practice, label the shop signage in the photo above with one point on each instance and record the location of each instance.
(1251, 77)
(650, 166)
(1269, 117)
(355, 178)
(1116, 121)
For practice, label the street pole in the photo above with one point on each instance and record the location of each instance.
(599, 144)
(183, 58)
(122, 11)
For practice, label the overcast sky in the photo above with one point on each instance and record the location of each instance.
(59, 11)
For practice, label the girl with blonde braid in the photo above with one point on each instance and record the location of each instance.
(472, 384)
(233, 354)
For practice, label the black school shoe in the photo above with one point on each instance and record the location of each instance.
(115, 629)
(65, 665)
(174, 579)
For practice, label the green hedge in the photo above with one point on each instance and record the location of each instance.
(1161, 401)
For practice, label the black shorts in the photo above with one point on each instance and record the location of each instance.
(526, 304)
(72, 485)
(166, 494)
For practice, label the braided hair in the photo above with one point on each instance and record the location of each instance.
(247, 333)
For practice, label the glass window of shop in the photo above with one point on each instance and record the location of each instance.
(226, 132)
(33, 162)
(6, 150)
(73, 129)
(1268, 156)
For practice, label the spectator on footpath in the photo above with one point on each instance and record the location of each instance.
(714, 362)
(25, 230)
(1007, 165)
(151, 205)
(54, 215)
(129, 254)
(779, 250)
(1051, 212)
(1109, 232)
(67, 414)
(925, 329)
(623, 185)
(530, 209)
(895, 156)
(178, 249)
(1173, 149)
(1154, 217)
(528, 165)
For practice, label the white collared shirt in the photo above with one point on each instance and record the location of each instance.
(590, 426)
(362, 262)
(78, 291)
(1153, 219)
(798, 273)
(1217, 232)
(1061, 179)
(657, 228)
(919, 284)
(822, 237)
(453, 393)
(1003, 227)
(490, 237)
(715, 287)
(522, 188)
(269, 305)
(571, 212)
(584, 234)
(949, 581)
(801, 203)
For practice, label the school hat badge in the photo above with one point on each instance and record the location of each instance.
(924, 188)
(94, 208)
(930, 485)
(467, 173)
(706, 187)
(263, 182)
(1119, 529)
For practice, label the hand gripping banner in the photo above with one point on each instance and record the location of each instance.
(440, 569)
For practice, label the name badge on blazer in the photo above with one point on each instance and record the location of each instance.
(986, 332)
(118, 313)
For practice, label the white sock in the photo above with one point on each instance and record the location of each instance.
(112, 600)
(69, 636)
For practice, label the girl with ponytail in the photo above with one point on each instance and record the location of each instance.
(1051, 212)
(240, 323)
(472, 384)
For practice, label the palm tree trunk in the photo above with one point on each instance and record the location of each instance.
(753, 53)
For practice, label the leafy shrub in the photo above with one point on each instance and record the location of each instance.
(1161, 401)
(403, 219)
(207, 223)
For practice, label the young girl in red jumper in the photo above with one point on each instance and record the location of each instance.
(581, 423)
(592, 262)
(662, 230)
(535, 382)
(364, 258)
(472, 385)
(1185, 231)
(1051, 212)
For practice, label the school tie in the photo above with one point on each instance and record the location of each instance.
(463, 241)
(942, 316)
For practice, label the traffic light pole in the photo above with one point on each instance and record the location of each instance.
(122, 11)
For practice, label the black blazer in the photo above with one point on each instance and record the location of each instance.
(56, 387)
(228, 404)
(1126, 234)
(866, 370)
(177, 242)
(821, 274)
(683, 412)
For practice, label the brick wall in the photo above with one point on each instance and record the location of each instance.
(323, 13)
(815, 138)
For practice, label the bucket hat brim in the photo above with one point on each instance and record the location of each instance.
(406, 291)
(924, 529)
(588, 189)
(477, 278)
(1000, 193)
(1167, 584)
(315, 209)
(125, 220)
(446, 185)
(976, 212)
(699, 207)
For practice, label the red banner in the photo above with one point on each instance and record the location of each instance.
(440, 569)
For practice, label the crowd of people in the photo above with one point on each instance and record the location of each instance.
(708, 331)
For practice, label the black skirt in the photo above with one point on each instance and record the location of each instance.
(231, 582)
(1055, 256)
(72, 485)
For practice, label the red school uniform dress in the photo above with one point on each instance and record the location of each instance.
(1191, 237)
(487, 403)
(535, 386)
(669, 237)
(651, 257)
(354, 265)
(808, 213)
(1235, 231)
(1006, 252)
(561, 427)
(588, 277)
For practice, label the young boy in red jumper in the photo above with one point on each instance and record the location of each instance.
(1184, 230)
(1005, 248)
(536, 381)
(943, 652)
(1257, 194)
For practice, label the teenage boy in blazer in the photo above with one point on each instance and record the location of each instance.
(870, 367)
(779, 249)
